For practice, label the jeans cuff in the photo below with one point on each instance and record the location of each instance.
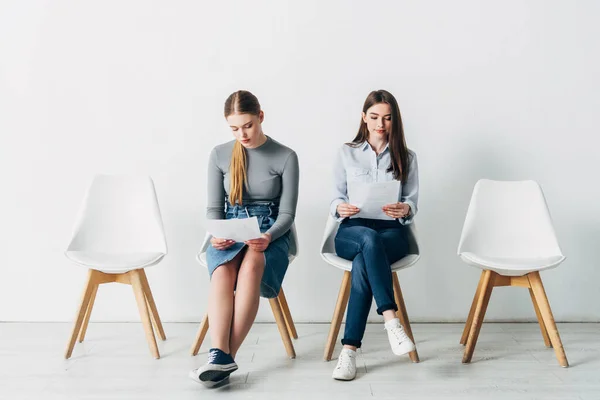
(352, 342)
(385, 307)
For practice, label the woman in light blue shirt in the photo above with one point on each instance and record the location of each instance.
(378, 153)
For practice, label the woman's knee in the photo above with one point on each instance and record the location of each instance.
(372, 240)
(253, 263)
(226, 273)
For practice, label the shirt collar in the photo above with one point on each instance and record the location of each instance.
(366, 146)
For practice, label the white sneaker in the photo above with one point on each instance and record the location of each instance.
(346, 366)
(400, 342)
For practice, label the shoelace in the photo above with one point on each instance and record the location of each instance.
(344, 362)
(399, 333)
(212, 356)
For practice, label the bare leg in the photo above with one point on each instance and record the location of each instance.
(389, 315)
(220, 303)
(247, 297)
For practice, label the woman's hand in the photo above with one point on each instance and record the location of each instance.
(261, 243)
(396, 210)
(345, 210)
(221, 244)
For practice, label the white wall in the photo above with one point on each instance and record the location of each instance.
(503, 90)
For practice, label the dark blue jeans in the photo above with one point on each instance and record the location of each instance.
(372, 245)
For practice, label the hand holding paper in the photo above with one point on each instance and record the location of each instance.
(261, 243)
(221, 244)
(370, 198)
(345, 210)
(397, 210)
(240, 230)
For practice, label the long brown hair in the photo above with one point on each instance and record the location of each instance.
(240, 102)
(396, 142)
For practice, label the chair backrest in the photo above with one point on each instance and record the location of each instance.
(508, 219)
(292, 252)
(331, 228)
(119, 214)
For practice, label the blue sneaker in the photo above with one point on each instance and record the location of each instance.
(217, 369)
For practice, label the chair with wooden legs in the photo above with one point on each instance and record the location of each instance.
(508, 233)
(279, 304)
(329, 256)
(119, 232)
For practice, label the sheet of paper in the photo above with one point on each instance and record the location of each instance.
(240, 230)
(370, 197)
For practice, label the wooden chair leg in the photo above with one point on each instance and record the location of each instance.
(289, 322)
(138, 290)
(200, 335)
(540, 320)
(465, 335)
(88, 313)
(403, 316)
(285, 336)
(152, 305)
(544, 306)
(482, 302)
(338, 315)
(85, 300)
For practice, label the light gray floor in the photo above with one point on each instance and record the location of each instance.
(510, 362)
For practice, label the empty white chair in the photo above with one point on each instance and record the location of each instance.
(119, 232)
(329, 256)
(279, 304)
(508, 233)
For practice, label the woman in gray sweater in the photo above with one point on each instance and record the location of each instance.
(252, 175)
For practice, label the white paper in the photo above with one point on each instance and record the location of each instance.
(371, 197)
(238, 229)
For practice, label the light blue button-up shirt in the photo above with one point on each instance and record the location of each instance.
(362, 164)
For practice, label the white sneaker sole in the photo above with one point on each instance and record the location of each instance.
(194, 376)
(403, 349)
(212, 374)
(343, 378)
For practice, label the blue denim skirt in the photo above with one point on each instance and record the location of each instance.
(276, 254)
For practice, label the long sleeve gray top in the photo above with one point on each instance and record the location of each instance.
(272, 175)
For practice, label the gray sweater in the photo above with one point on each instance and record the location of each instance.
(272, 175)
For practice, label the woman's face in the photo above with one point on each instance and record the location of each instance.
(247, 128)
(379, 120)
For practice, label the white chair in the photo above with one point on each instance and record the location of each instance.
(508, 233)
(279, 304)
(329, 256)
(119, 232)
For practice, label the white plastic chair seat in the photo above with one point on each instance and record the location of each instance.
(114, 263)
(329, 255)
(346, 265)
(508, 266)
(119, 227)
(507, 239)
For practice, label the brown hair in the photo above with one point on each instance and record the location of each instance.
(240, 102)
(396, 142)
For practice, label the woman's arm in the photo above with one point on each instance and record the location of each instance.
(289, 197)
(215, 190)
(410, 189)
(216, 199)
(340, 190)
